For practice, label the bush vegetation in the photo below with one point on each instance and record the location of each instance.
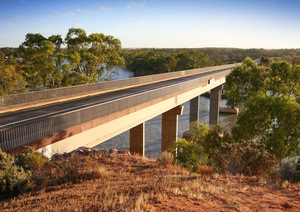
(267, 129)
(210, 147)
(30, 159)
(13, 178)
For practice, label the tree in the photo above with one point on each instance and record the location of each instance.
(10, 80)
(245, 80)
(271, 113)
(96, 56)
(87, 59)
(40, 70)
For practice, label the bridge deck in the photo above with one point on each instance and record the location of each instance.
(20, 127)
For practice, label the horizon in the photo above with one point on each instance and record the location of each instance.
(159, 24)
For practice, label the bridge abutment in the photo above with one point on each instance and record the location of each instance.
(170, 127)
(137, 139)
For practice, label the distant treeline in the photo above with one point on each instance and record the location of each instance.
(42, 63)
(145, 62)
(154, 61)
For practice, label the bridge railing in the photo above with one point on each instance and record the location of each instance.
(22, 134)
(52, 94)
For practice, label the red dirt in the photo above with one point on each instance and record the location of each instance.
(132, 183)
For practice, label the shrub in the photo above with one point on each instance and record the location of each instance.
(248, 158)
(13, 179)
(188, 154)
(166, 159)
(298, 171)
(205, 170)
(29, 159)
(66, 170)
(6, 160)
(287, 172)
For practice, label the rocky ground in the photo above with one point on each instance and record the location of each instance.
(111, 180)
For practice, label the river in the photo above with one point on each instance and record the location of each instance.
(153, 126)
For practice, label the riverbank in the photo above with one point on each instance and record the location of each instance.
(122, 182)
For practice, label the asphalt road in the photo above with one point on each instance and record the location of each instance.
(34, 114)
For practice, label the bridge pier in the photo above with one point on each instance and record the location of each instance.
(170, 127)
(214, 108)
(137, 139)
(194, 109)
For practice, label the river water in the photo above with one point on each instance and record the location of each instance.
(153, 126)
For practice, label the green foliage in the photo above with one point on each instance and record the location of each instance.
(87, 59)
(296, 61)
(283, 80)
(188, 154)
(13, 179)
(199, 131)
(212, 142)
(288, 172)
(29, 159)
(248, 158)
(273, 121)
(94, 56)
(245, 80)
(146, 62)
(202, 148)
(271, 114)
(265, 62)
(298, 171)
(6, 160)
(11, 81)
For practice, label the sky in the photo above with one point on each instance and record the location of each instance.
(268, 24)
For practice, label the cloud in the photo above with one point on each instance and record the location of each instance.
(84, 11)
(49, 26)
(141, 22)
(105, 9)
(62, 14)
(11, 17)
(77, 25)
(167, 16)
(134, 4)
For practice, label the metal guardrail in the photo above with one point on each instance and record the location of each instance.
(51, 94)
(25, 133)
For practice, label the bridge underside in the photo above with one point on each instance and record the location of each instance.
(99, 130)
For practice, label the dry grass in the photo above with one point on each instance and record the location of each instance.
(204, 170)
(121, 182)
(166, 159)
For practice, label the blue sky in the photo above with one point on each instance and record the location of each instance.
(158, 23)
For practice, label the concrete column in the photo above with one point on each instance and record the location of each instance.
(170, 127)
(194, 109)
(215, 98)
(137, 139)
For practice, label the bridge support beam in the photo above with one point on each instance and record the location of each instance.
(170, 127)
(137, 139)
(194, 109)
(215, 98)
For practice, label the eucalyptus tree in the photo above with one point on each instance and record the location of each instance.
(11, 81)
(271, 113)
(40, 62)
(86, 59)
(94, 58)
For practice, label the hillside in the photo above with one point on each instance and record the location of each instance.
(111, 180)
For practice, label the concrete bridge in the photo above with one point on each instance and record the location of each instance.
(61, 120)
